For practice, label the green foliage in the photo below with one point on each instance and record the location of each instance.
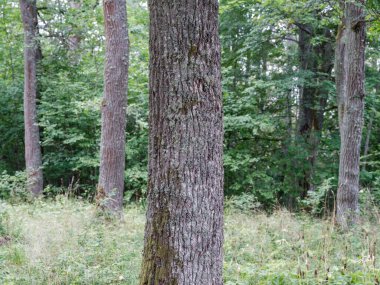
(70, 129)
(13, 187)
(70, 84)
(265, 157)
(246, 203)
(321, 200)
(136, 176)
(373, 9)
(371, 176)
(11, 126)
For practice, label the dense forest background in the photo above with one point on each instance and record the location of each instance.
(277, 59)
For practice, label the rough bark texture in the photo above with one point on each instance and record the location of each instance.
(184, 230)
(316, 61)
(350, 89)
(112, 149)
(32, 136)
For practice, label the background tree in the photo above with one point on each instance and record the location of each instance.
(33, 158)
(316, 63)
(75, 33)
(265, 157)
(184, 230)
(112, 145)
(277, 61)
(350, 54)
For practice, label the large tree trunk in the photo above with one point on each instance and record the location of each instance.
(184, 230)
(316, 62)
(112, 149)
(350, 91)
(32, 136)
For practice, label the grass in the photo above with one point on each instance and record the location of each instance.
(63, 242)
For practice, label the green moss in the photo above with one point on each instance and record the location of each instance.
(157, 251)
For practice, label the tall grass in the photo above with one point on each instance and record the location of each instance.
(64, 242)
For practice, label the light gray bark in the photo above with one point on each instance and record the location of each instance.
(350, 90)
(33, 158)
(184, 229)
(112, 148)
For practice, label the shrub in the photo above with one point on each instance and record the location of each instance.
(245, 202)
(322, 199)
(13, 187)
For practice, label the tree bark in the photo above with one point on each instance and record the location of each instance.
(112, 148)
(184, 229)
(350, 90)
(33, 158)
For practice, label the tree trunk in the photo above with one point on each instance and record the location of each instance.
(316, 62)
(74, 39)
(33, 158)
(112, 148)
(350, 90)
(184, 230)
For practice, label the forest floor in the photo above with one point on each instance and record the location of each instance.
(64, 242)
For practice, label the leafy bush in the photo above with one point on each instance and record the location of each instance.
(245, 202)
(136, 176)
(322, 199)
(136, 179)
(370, 178)
(13, 187)
(71, 145)
(11, 125)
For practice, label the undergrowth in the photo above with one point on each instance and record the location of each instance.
(64, 242)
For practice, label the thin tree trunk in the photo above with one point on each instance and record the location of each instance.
(112, 148)
(313, 98)
(184, 230)
(350, 88)
(74, 38)
(307, 105)
(32, 136)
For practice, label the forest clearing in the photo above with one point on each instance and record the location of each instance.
(64, 242)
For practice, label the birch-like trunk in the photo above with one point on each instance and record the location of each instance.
(350, 90)
(33, 158)
(112, 148)
(184, 229)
